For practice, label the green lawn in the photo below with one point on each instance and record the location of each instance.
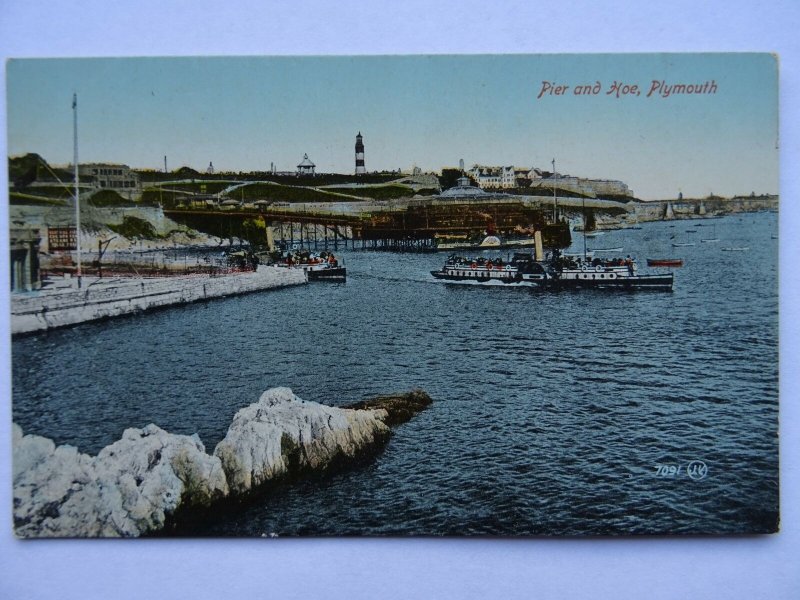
(30, 200)
(106, 198)
(50, 191)
(383, 192)
(155, 197)
(280, 193)
(200, 187)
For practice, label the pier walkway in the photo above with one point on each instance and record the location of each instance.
(63, 303)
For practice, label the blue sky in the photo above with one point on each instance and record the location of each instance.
(243, 113)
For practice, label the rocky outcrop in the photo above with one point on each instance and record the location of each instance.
(399, 407)
(128, 489)
(282, 433)
(141, 482)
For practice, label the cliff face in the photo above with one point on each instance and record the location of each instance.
(136, 484)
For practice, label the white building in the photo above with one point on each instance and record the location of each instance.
(491, 177)
(109, 176)
(494, 177)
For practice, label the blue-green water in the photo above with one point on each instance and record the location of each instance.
(552, 413)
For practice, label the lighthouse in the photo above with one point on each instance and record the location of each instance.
(360, 169)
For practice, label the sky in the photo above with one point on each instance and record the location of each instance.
(244, 113)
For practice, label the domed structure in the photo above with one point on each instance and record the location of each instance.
(306, 167)
(464, 189)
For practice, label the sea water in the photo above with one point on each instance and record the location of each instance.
(555, 413)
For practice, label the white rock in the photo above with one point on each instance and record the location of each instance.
(281, 431)
(132, 486)
(128, 489)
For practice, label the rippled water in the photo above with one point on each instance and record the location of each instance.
(552, 410)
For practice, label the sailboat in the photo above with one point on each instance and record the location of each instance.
(617, 249)
(713, 237)
(682, 244)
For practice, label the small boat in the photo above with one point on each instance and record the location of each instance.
(713, 238)
(682, 244)
(319, 267)
(607, 249)
(594, 234)
(665, 262)
(737, 249)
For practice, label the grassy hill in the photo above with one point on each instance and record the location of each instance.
(24, 170)
(109, 198)
(19, 198)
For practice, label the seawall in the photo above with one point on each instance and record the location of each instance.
(105, 298)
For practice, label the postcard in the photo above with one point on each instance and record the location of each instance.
(467, 295)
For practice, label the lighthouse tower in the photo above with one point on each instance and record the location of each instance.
(360, 169)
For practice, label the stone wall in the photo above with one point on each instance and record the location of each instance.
(100, 299)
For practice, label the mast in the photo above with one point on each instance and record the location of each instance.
(555, 198)
(77, 193)
(583, 202)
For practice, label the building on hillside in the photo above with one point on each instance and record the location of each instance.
(494, 177)
(360, 167)
(110, 176)
(306, 167)
(491, 177)
(521, 179)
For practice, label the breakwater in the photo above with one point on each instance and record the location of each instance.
(106, 298)
(149, 477)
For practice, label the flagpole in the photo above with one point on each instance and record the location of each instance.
(77, 193)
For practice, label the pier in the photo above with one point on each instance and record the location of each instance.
(65, 304)
(408, 227)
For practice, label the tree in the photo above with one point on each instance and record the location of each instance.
(254, 231)
(449, 178)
